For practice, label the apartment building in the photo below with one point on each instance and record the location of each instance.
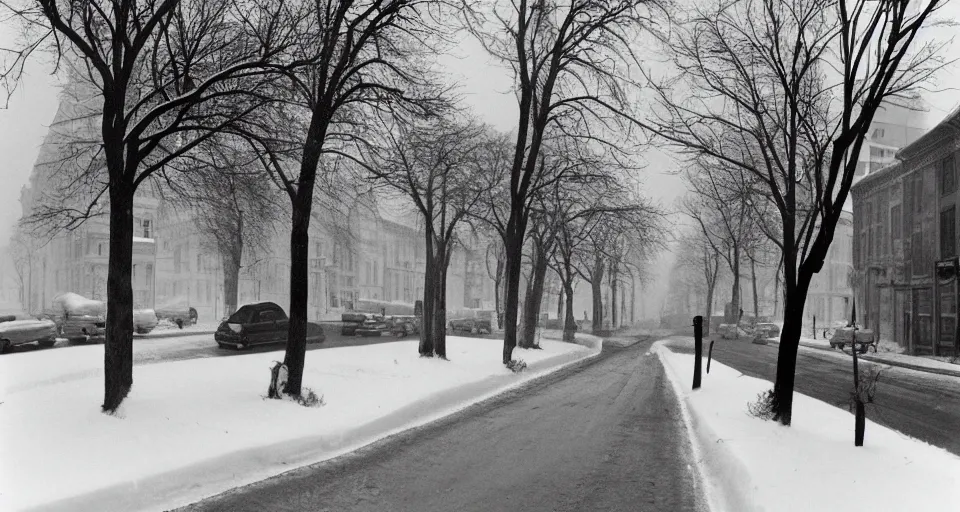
(905, 244)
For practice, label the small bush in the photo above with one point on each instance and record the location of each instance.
(762, 408)
(309, 399)
(517, 366)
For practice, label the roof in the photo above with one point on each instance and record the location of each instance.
(950, 125)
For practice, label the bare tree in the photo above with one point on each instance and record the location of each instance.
(786, 91)
(699, 259)
(229, 200)
(363, 58)
(433, 164)
(566, 58)
(160, 77)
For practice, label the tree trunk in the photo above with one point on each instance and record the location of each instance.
(299, 289)
(497, 286)
(560, 304)
(706, 321)
(569, 322)
(534, 297)
(613, 296)
(231, 282)
(795, 297)
(118, 345)
(440, 303)
(756, 300)
(513, 244)
(597, 293)
(735, 289)
(427, 326)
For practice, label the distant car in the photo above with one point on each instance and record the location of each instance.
(144, 320)
(179, 315)
(79, 318)
(766, 330)
(256, 324)
(471, 325)
(350, 322)
(375, 325)
(404, 325)
(19, 328)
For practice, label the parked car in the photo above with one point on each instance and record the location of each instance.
(351, 321)
(404, 325)
(78, 318)
(19, 328)
(374, 325)
(766, 330)
(256, 324)
(144, 320)
(471, 325)
(179, 315)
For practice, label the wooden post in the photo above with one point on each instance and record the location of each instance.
(814, 326)
(709, 355)
(698, 351)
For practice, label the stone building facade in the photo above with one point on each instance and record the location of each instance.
(905, 244)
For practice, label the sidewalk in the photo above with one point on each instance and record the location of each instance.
(920, 364)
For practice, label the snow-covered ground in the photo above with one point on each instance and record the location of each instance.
(752, 464)
(166, 327)
(191, 429)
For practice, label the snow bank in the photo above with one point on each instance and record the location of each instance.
(753, 464)
(191, 429)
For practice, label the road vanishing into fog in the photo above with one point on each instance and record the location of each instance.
(922, 405)
(604, 434)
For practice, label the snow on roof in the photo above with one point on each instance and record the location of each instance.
(79, 303)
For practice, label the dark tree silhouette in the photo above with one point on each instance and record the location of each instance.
(157, 79)
(567, 57)
(786, 92)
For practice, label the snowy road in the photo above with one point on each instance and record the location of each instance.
(601, 435)
(922, 405)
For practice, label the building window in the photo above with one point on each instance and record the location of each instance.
(146, 228)
(918, 193)
(199, 267)
(948, 176)
(916, 250)
(948, 232)
(895, 222)
(100, 249)
(878, 133)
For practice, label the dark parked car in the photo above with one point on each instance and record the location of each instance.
(256, 324)
(19, 328)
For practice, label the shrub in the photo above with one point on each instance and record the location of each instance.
(309, 399)
(762, 408)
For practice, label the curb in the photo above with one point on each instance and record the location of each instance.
(900, 364)
(170, 334)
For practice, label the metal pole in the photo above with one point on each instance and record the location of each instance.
(698, 349)
(709, 355)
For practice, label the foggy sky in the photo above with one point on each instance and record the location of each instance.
(485, 86)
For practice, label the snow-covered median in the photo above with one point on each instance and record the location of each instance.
(191, 429)
(752, 464)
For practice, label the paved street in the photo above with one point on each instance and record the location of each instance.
(605, 434)
(921, 405)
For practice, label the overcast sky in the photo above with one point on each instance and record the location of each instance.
(485, 86)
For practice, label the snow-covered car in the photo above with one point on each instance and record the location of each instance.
(79, 318)
(404, 325)
(728, 331)
(471, 325)
(144, 320)
(255, 324)
(844, 336)
(374, 325)
(766, 330)
(177, 314)
(19, 328)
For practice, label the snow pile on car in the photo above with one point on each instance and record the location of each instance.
(754, 465)
(191, 429)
